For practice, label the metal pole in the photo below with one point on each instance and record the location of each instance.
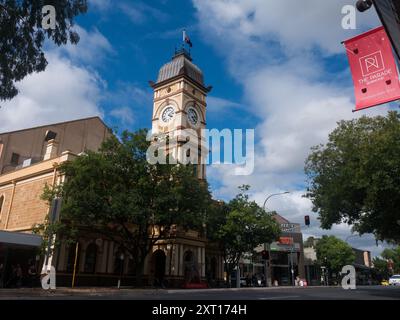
(75, 261)
(272, 195)
(291, 264)
(122, 257)
(266, 268)
(265, 245)
(238, 276)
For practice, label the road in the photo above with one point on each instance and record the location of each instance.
(260, 294)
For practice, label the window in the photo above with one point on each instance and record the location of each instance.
(1, 204)
(90, 260)
(50, 135)
(14, 158)
(71, 258)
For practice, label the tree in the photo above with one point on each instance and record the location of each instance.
(22, 36)
(310, 242)
(389, 257)
(117, 194)
(239, 227)
(334, 253)
(392, 255)
(381, 266)
(355, 177)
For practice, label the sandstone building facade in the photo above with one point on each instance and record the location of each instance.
(29, 159)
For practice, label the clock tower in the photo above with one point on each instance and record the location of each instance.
(179, 110)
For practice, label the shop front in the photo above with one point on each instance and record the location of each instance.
(19, 259)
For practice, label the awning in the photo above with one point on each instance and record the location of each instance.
(22, 239)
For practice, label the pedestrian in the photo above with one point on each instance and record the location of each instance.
(18, 276)
(32, 274)
(262, 280)
(1, 275)
(254, 280)
(248, 280)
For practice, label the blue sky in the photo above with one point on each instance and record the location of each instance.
(275, 67)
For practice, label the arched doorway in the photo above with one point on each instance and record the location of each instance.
(71, 258)
(158, 261)
(190, 267)
(213, 268)
(90, 258)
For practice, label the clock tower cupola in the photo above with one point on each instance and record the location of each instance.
(179, 108)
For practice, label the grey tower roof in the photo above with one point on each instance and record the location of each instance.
(181, 64)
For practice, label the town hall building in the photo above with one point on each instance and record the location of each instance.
(30, 159)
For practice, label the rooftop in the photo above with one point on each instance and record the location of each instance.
(180, 65)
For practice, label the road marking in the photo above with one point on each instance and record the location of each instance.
(279, 298)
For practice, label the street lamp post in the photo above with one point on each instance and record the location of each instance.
(121, 257)
(272, 195)
(291, 264)
(266, 266)
(238, 268)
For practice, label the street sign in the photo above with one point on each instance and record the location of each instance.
(289, 227)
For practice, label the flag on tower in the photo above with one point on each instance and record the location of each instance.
(186, 39)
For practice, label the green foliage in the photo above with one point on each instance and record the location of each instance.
(310, 242)
(393, 255)
(355, 177)
(381, 266)
(116, 193)
(240, 226)
(334, 253)
(22, 37)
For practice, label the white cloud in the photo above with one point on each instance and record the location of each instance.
(99, 4)
(277, 51)
(123, 114)
(216, 105)
(62, 92)
(138, 12)
(92, 47)
(295, 25)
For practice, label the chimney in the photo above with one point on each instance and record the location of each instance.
(51, 150)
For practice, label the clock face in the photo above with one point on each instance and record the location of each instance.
(168, 114)
(192, 116)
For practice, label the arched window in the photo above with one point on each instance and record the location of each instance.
(191, 272)
(119, 261)
(1, 205)
(90, 258)
(71, 258)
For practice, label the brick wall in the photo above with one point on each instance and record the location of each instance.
(27, 207)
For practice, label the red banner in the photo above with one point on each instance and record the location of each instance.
(374, 70)
(286, 240)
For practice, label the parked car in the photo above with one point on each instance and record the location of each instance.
(394, 280)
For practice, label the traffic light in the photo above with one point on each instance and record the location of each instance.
(265, 255)
(307, 220)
